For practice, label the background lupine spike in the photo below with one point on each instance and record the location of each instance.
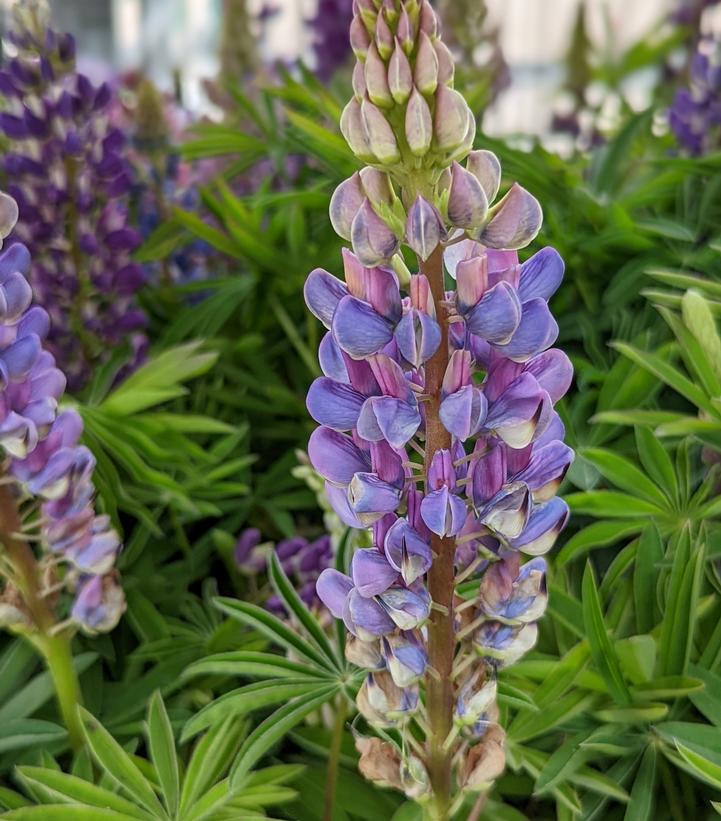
(480, 358)
(48, 467)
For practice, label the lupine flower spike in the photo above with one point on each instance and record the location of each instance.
(67, 582)
(438, 432)
(68, 171)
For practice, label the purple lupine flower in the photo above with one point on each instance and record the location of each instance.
(69, 174)
(44, 458)
(438, 432)
(329, 27)
(302, 561)
(695, 114)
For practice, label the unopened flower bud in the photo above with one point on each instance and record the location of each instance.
(405, 32)
(359, 38)
(373, 241)
(376, 79)
(366, 10)
(428, 20)
(352, 128)
(345, 203)
(451, 119)
(359, 81)
(400, 75)
(377, 186)
(424, 228)
(419, 124)
(484, 762)
(446, 66)
(514, 221)
(379, 134)
(486, 169)
(383, 37)
(425, 75)
(467, 203)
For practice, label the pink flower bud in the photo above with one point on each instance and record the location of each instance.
(451, 119)
(376, 79)
(428, 20)
(424, 228)
(485, 167)
(345, 203)
(379, 134)
(377, 186)
(405, 32)
(400, 75)
(467, 204)
(446, 66)
(359, 81)
(366, 11)
(373, 241)
(515, 221)
(419, 124)
(425, 75)
(359, 38)
(352, 128)
(383, 37)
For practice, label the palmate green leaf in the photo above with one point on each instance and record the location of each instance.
(272, 627)
(668, 687)
(246, 699)
(643, 714)
(11, 800)
(696, 346)
(18, 733)
(598, 534)
(250, 664)
(294, 604)
(624, 474)
(649, 555)
(162, 752)
(656, 462)
(701, 767)
(533, 761)
(699, 319)
(602, 650)
(602, 503)
(707, 700)
(38, 691)
(684, 281)
(680, 612)
(701, 738)
(270, 731)
(640, 807)
(118, 765)
(59, 787)
(211, 758)
(564, 761)
(666, 373)
(66, 812)
(527, 726)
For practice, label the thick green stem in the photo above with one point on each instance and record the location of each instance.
(54, 648)
(441, 638)
(59, 659)
(334, 760)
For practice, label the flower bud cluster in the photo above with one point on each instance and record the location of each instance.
(70, 177)
(52, 472)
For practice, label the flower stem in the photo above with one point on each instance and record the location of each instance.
(55, 649)
(441, 638)
(59, 659)
(334, 760)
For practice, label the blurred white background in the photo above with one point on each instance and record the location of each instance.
(181, 36)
